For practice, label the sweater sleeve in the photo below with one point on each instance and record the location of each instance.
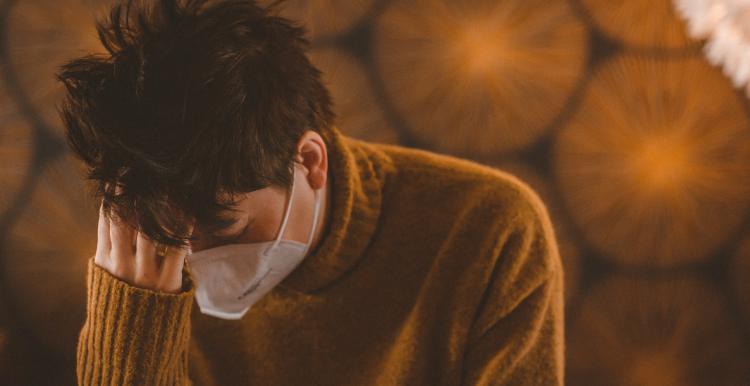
(517, 337)
(132, 335)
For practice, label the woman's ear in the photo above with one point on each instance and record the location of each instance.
(312, 153)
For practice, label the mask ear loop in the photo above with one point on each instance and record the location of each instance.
(314, 222)
(286, 215)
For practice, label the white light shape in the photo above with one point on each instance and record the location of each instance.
(725, 24)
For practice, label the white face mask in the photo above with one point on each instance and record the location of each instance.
(229, 279)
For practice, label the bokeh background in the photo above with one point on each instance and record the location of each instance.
(637, 144)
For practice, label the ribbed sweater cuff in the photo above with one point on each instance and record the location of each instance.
(132, 335)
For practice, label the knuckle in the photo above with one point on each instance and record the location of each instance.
(120, 271)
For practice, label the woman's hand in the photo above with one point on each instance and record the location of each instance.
(130, 256)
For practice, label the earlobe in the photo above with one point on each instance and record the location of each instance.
(318, 179)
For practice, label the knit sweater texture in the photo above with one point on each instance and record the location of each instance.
(432, 270)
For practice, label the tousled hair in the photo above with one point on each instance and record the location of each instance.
(195, 102)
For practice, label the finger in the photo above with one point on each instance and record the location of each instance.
(191, 228)
(170, 277)
(146, 267)
(121, 236)
(134, 239)
(103, 243)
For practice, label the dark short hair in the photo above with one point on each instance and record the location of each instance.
(196, 101)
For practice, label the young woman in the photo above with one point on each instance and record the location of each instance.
(313, 258)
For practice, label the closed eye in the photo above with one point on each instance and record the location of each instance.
(223, 241)
(235, 237)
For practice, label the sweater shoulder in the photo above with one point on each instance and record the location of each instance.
(466, 193)
(448, 177)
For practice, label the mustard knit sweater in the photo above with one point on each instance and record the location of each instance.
(433, 270)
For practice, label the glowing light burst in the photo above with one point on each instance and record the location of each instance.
(41, 35)
(324, 18)
(726, 26)
(654, 333)
(479, 77)
(480, 54)
(48, 247)
(639, 23)
(654, 165)
(358, 111)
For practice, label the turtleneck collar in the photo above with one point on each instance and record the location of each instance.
(358, 172)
